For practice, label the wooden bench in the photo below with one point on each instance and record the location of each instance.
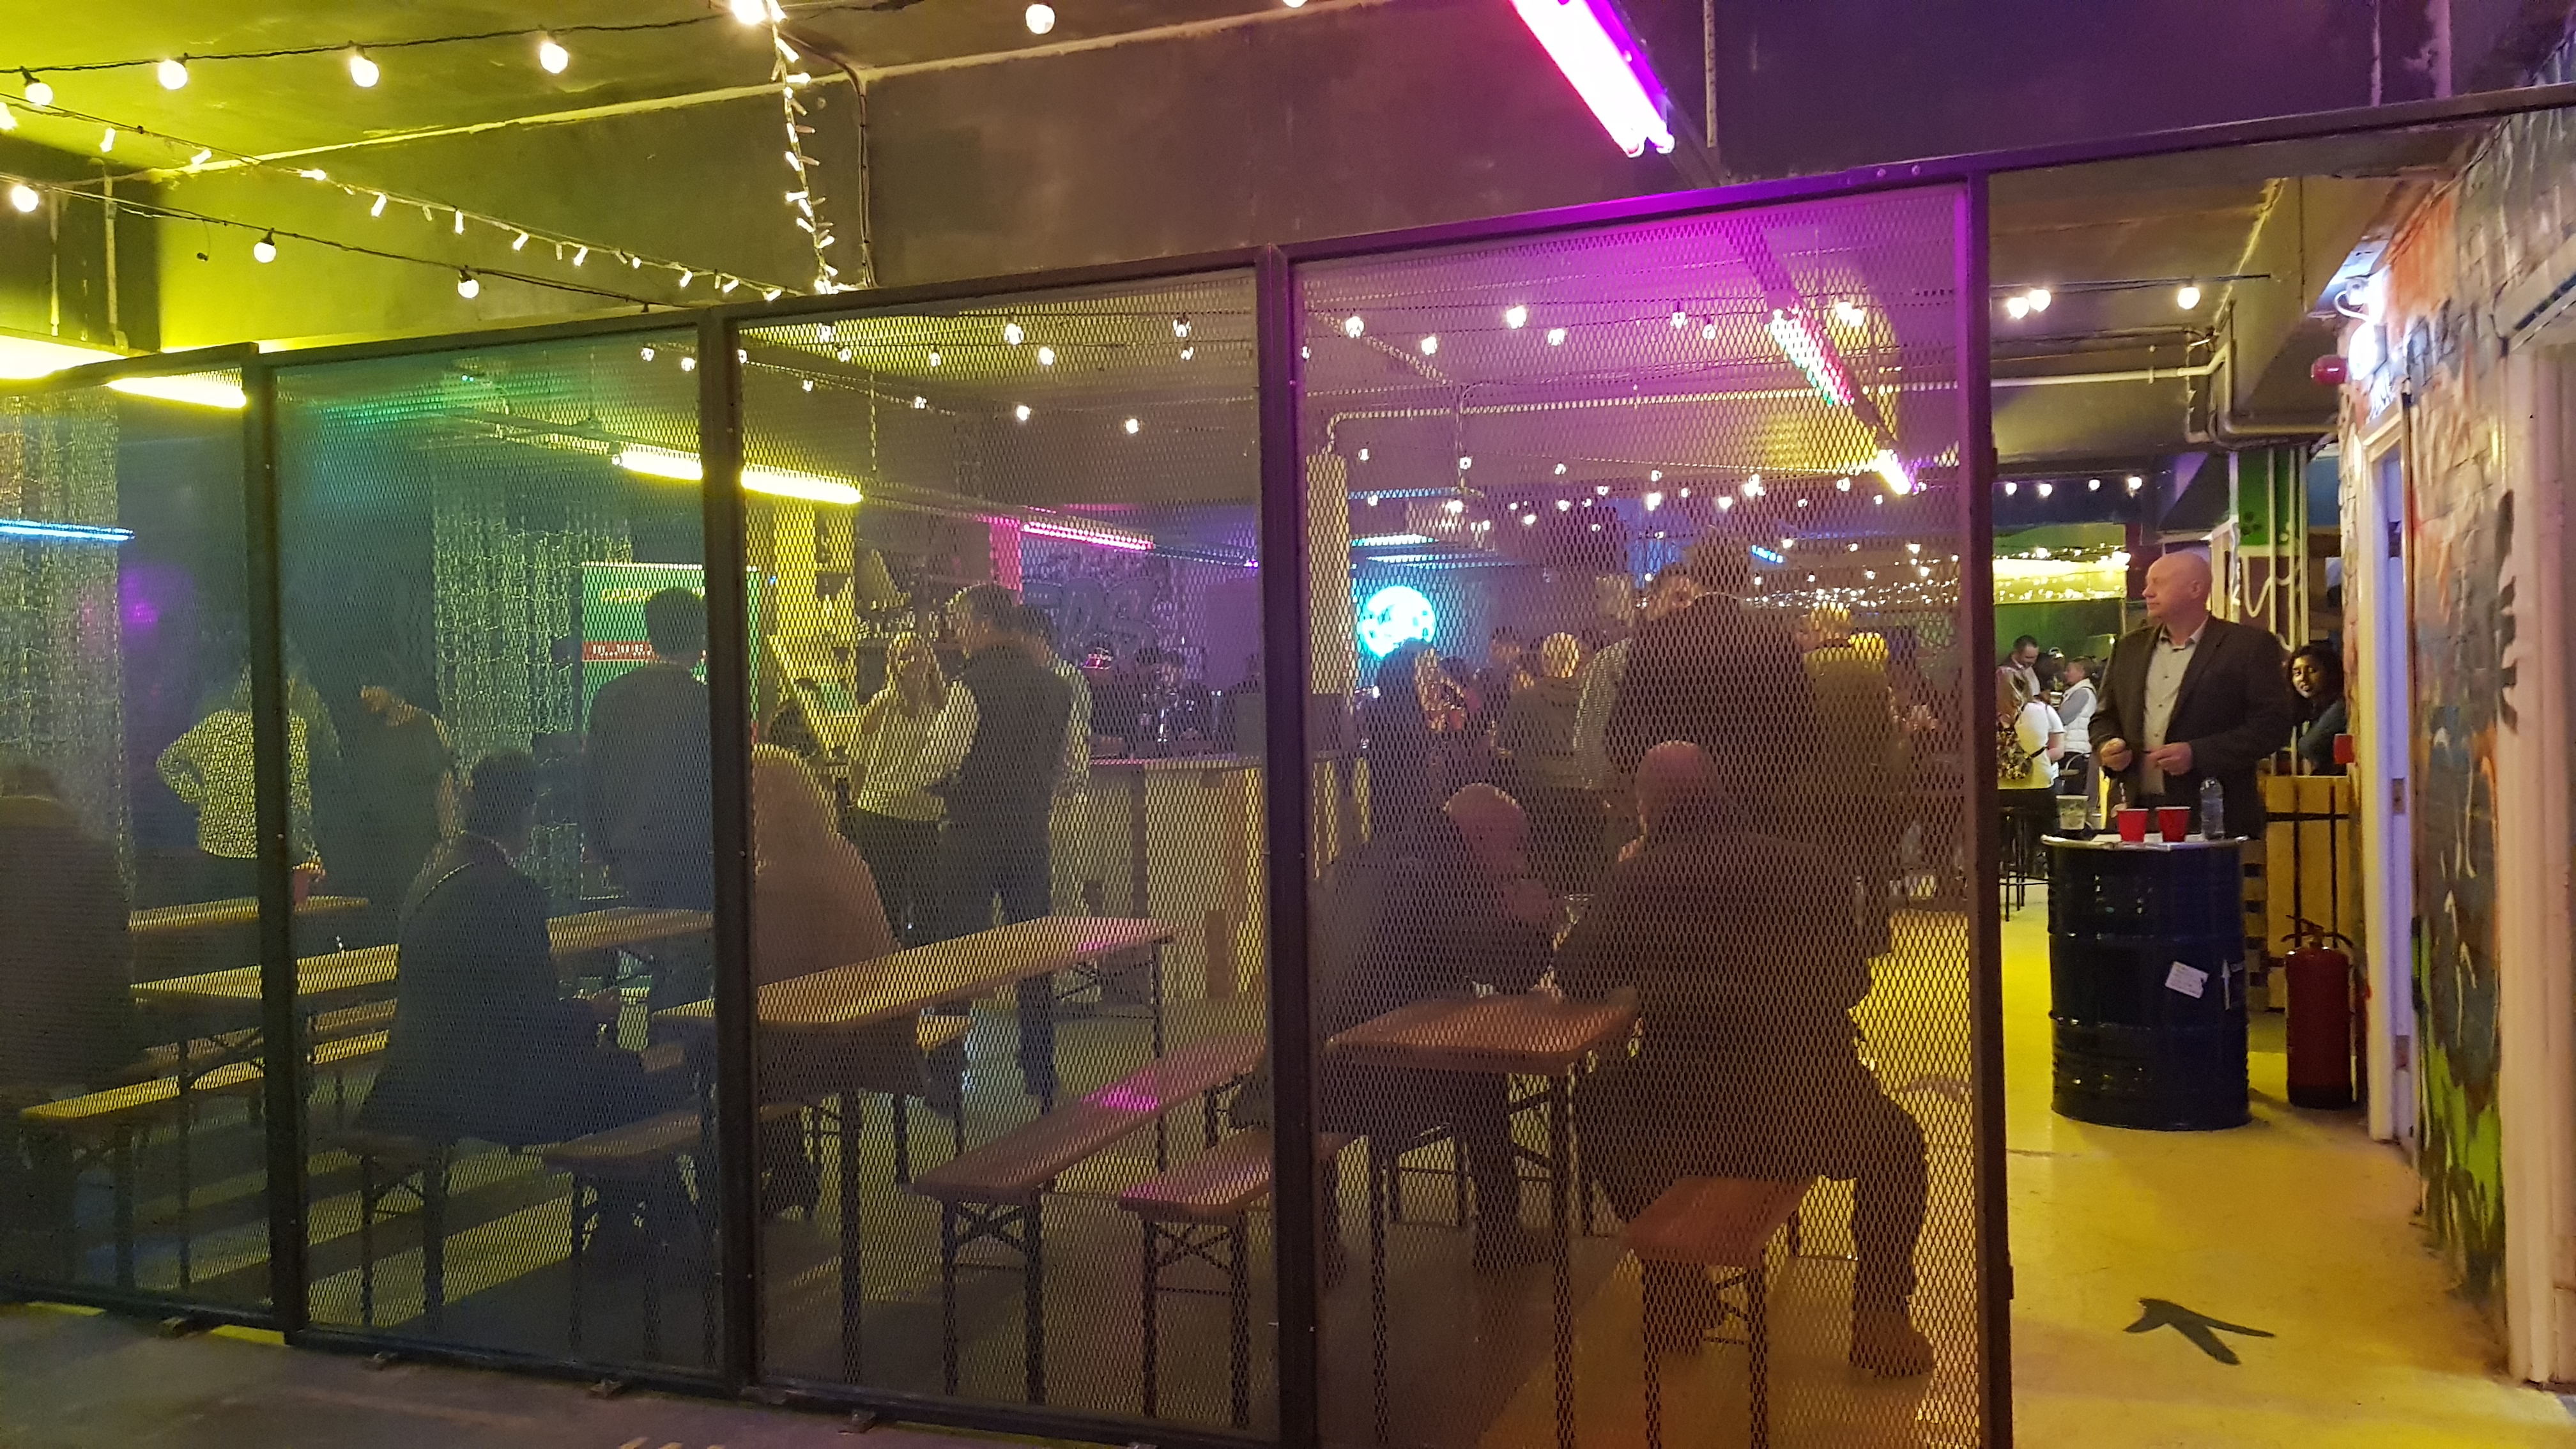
(1200, 1210)
(388, 1162)
(1727, 1224)
(996, 1192)
(110, 1119)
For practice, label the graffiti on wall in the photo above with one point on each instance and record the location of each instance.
(2460, 522)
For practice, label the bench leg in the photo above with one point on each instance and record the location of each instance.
(853, 1120)
(187, 1171)
(125, 1193)
(1033, 1282)
(433, 1240)
(1380, 1169)
(366, 1242)
(1239, 1321)
(574, 1260)
(1458, 1184)
(1150, 1275)
(902, 1138)
(1654, 1397)
(948, 1298)
(654, 1230)
(1757, 1347)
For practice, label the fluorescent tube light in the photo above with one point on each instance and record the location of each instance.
(1592, 46)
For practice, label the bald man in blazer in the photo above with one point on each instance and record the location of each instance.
(2190, 697)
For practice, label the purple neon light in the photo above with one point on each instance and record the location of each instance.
(1592, 46)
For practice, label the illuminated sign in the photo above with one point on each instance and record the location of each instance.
(1394, 617)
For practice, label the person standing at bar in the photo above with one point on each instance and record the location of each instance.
(2316, 672)
(2075, 771)
(1727, 677)
(1603, 677)
(994, 756)
(2191, 697)
(646, 784)
(893, 820)
(1069, 842)
(402, 799)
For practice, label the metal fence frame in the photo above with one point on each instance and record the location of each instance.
(1286, 803)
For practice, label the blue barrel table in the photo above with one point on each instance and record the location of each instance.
(2146, 971)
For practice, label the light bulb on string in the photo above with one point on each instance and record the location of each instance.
(2016, 306)
(1133, 427)
(551, 55)
(688, 364)
(934, 357)
(1180, 327)
(363, 71)
(1189, 352)
(646, 352)
(2187, 296)
(38, 91)
(264, 249)
(379, 208)
(1040, 18)
(460, 223)
(24, 197)
(1430, 345)
(107, 142)
(919, 402)
(1708, 330)
(173, 74)
(807, 384)
(1556, 337)
(1012, 335)
(468, 286)
(1046, 357)
(843, 354)
(580, 255)
(520, 244)
(1681, 319)
(1353, 326)
(8, 118)
(1021, 412)
(1516, 317)
(750, 12)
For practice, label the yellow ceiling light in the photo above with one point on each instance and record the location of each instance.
(22, 358)
(776, 482)
(197, 389)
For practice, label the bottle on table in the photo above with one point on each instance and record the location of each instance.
(2213, 809)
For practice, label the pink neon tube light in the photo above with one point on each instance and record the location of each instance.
(1592, 46)
(1129, 542)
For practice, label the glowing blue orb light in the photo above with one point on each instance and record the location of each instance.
(1394, 617)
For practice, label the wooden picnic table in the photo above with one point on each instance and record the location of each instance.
(159, 922)
(1519, 1034)
(842, 1002)
(344, 978)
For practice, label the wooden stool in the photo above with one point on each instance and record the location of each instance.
(1724, 1223)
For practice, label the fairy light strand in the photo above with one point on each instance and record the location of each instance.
(804, 194)
(377, 198)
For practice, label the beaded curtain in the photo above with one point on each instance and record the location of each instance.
(507, 595)
(62, 674)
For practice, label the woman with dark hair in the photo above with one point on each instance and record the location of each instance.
(2316, 672)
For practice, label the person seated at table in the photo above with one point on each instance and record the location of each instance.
(1455, 907)
(1747, 962)
(815, 907)
(66, 1021)
(483, 1043)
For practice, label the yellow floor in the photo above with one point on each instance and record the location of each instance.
(2297, 1223)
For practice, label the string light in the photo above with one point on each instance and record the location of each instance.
(551, 56)
(918, 401)
(934, 357)
(467, 286)
(648, 352)
(1430, 345)
(688, 364)
(1021, 412)
(806, 199)
(379, 208)
(363, 72)
(1046, 357)
(37, 91)
(750, 12)
(1012, 336)
(1516, 317)
(107, 142)
(1189, 352)
(520, 244)
(1681, 319)
(8, 118)
(264, 249)
(1040, 18)
(1133, 427)
(23, 197)
(173, 74)
(1556, 337)
(1352, 326)
(1180, 327)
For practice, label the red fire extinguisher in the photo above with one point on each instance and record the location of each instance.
(2320, 1017)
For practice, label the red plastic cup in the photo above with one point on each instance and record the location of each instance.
(2133, 825)
(2173, 822)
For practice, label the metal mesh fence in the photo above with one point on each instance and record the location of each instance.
(1007, 818)
(130, 1156)
(492, 603)
(1642, 985)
